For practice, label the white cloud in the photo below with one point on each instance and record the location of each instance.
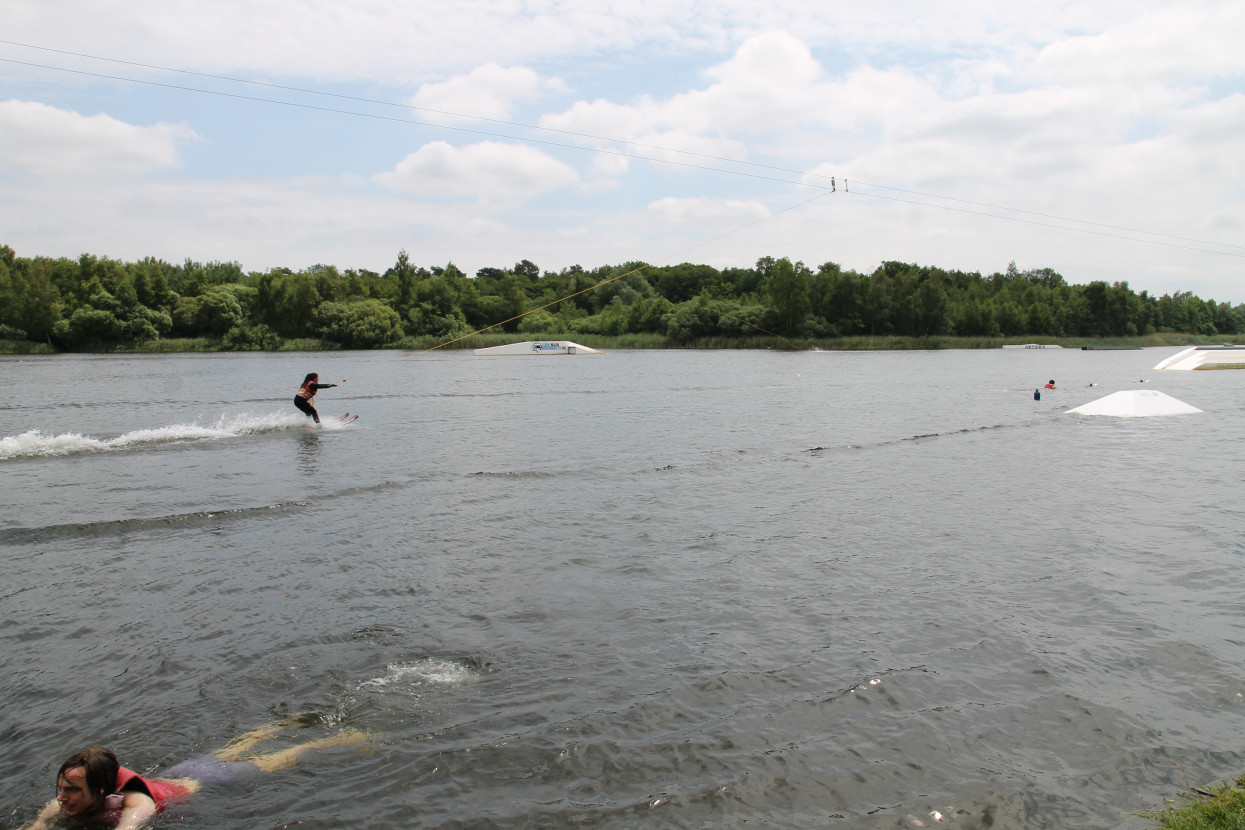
(610, 166)
(605, 119)
(507, 173)
(36, 139)
(261, 223)
(765, 58)
(686, 148)
(408, 43)
(403, 42)
(769, 90)
(1216, 126)
(487, 91)
(1163, 46)
(706, 212)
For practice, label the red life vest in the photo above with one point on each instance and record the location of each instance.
(161, 792)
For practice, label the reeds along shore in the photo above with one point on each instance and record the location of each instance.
(643, 341)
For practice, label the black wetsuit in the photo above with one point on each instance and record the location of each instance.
(304, 403)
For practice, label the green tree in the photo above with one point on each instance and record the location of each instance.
(193, 279)
(901, 281)
(89, 327)
(877, 311)
(217, 312)
(1097, 323)
(1224, 318)
(514, 301)
(844, 307)
(404, 275)
(679, 283)
(329, 283)
(1010, 319)
(539, 322)
(1197, 316)
(737, 282)
(151, 281)
(1039, 319)
(786, 287)
(975, 318)
(250, 339)
(627, 289)
(528, 269)
(931, 310)
(649, 315)
(30, 302)
(362, 324)
(691, 320)
(297, 307)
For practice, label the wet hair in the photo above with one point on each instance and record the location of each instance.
(100, 766)
(310, 377)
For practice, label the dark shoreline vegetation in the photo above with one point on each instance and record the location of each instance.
(607, 343)
(95, 304)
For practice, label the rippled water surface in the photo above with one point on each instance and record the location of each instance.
(639, 589)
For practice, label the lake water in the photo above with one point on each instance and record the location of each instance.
(632, 590)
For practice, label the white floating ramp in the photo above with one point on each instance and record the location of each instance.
(1135, 405)
(1206, 357)
(538, 347)
(1032, 346)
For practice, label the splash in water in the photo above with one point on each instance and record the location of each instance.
(36, 443)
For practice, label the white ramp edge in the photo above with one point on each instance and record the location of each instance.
(1135, 404)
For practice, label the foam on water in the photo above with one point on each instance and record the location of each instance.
(35, 443)
(430, 671)
(400, 683)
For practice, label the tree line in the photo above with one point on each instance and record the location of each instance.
(98, 303)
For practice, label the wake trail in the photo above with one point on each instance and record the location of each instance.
(35, 443)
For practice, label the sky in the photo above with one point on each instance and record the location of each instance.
(1104, 140)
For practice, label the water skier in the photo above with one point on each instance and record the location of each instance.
(92, 787)
(307, 394)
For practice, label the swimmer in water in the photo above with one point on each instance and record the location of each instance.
(1050, 384)
(91, 786)
(306, 395)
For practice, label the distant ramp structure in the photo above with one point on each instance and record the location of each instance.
(1135, 405)
(538, 347)
(1206, 357)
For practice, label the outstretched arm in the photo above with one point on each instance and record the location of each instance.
(135, 811)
